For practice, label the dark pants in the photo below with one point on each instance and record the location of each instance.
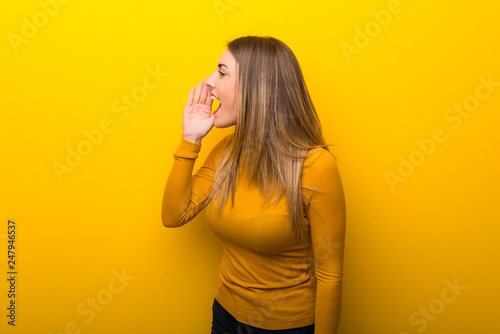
(225, 323)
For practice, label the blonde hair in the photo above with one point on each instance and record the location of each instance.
(276, 126)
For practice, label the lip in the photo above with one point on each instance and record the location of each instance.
(220, 104)
(216, 110)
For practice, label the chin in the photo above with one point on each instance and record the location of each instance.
(222, 124)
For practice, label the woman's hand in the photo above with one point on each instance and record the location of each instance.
(197, 120)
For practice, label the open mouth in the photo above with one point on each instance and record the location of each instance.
(215, 105)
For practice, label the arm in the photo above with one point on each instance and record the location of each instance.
(327, 218)
(185, 194)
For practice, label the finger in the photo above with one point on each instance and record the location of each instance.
(190, 98)
(205, 94)
(209, 101)
(198, 92)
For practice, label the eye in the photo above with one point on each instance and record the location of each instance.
(221, 74)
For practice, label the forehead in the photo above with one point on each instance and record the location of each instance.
(227, 59)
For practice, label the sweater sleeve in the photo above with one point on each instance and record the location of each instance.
(327, 218)
(185, 194)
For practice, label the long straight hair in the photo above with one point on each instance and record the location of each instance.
(276, 126)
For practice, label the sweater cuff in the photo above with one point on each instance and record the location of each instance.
(187, 149)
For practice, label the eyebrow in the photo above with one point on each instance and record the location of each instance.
(220, 66)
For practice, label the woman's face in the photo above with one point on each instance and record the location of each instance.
(224, 87)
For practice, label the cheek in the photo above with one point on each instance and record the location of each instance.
(226, 94)
(232, 95)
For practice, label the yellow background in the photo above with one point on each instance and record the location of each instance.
(403, 243)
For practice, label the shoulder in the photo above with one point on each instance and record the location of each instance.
(319, 159)
(320, 169)
(220, 147)
(226, 139)
(321, 180)
(223, 143)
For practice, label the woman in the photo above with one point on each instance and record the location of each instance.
(283, 233)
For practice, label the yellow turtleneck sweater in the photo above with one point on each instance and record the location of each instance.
(267, 278)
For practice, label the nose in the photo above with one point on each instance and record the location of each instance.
(210, 81)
